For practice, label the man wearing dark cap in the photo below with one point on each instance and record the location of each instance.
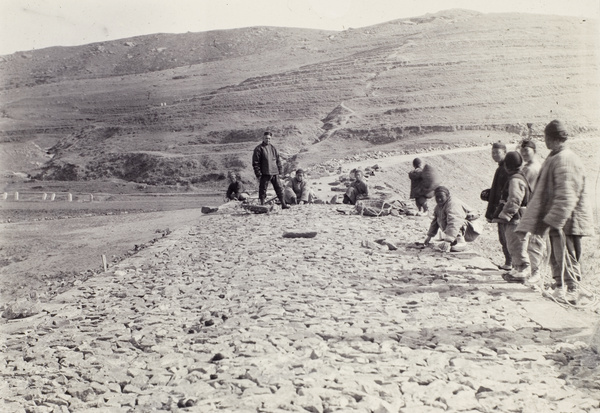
(492, 196)
(560, 204)
(267, 168)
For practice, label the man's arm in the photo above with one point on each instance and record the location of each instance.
(416, 174)
(278, 160)
(256, 160)
(565, 177)
(303, 192)
(516, 192)
(364, 190)
(239, 188)
(433, 229)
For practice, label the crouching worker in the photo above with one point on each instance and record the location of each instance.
(235, 191)
(452, 217)
(357, 190)
(298, 191)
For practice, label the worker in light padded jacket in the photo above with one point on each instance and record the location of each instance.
(561, 204)
(539, 245)
(298, 190)
(267, 168)
(454, 218)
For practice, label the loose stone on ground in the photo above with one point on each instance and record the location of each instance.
(232, 316)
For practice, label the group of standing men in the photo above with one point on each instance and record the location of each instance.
(536, 205)
(542, 212)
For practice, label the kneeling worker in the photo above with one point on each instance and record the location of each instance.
(452, 217)
(235, 191)
(298, 190)
(357, 190)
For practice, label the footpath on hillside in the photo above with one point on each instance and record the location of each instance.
(386, 160)
(228, 315)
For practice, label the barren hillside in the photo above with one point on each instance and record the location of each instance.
(183, 109)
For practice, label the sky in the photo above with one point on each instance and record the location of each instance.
(35, 24)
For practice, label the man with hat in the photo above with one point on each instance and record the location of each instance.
(492, 196)
(267, 168)
(298, 190)
(560, 204)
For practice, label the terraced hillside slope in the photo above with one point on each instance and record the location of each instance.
(184, 109)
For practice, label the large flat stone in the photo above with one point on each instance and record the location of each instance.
(562, 321)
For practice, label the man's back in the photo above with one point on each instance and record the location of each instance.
(560, 200)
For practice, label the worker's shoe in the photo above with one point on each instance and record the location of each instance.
(460, 245)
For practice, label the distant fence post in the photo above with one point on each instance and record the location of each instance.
(47, 196)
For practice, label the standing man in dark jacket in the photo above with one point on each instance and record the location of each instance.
(416, 183)
(267, 168)
(493, 195)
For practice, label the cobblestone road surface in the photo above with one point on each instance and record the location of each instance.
(231, 316)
